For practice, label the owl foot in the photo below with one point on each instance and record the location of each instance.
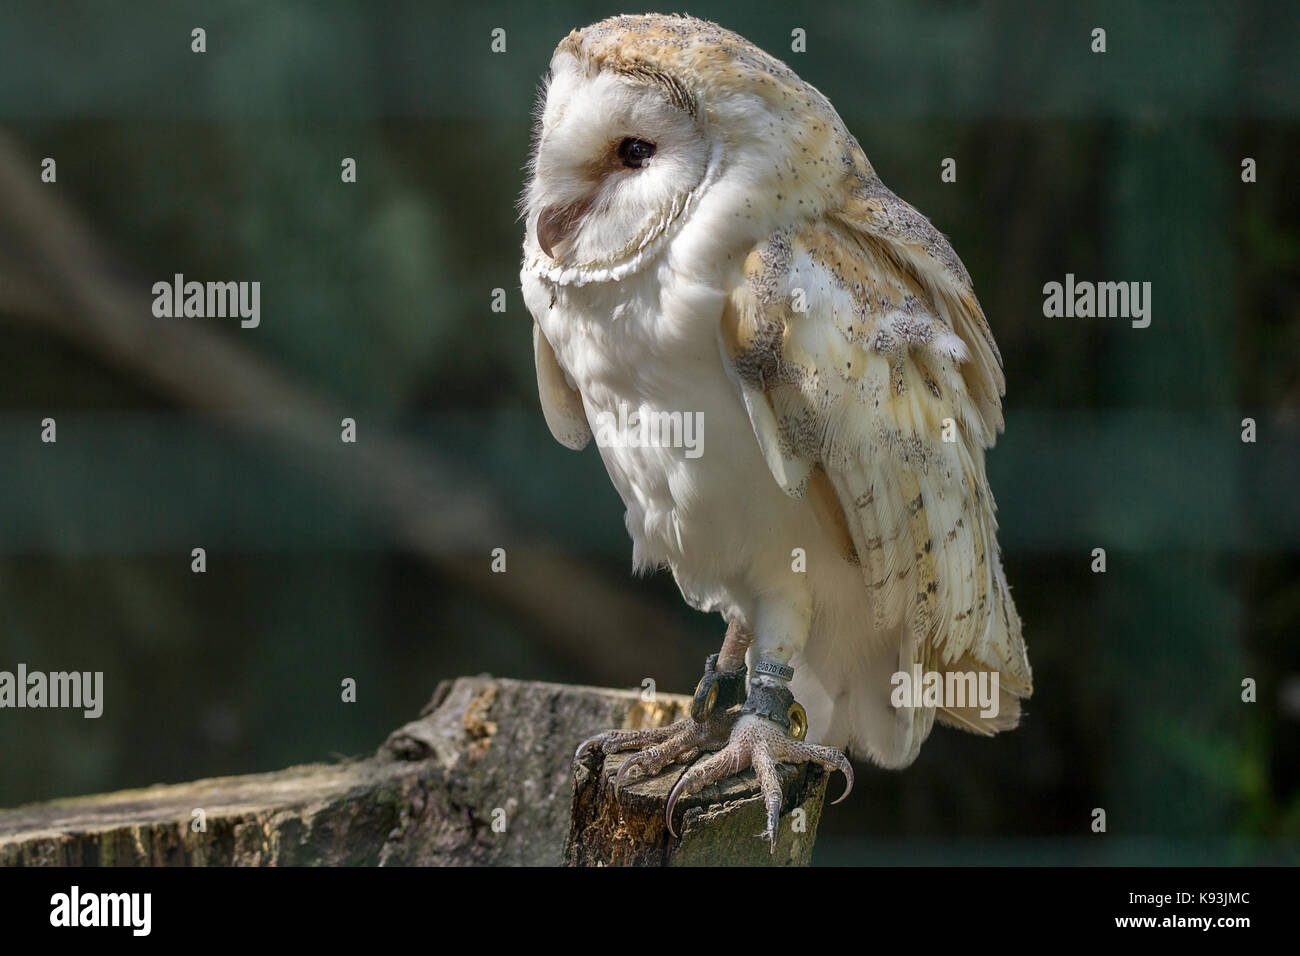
(707, 728)
(770, 729)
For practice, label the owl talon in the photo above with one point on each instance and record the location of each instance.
(759, 742)
(707, 728)
(616, 741)
(658, 749)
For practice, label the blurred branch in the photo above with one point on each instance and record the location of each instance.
(55, 276)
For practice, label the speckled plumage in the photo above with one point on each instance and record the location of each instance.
(757, 271)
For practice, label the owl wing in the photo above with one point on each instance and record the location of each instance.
(561, 403)
(873, 386)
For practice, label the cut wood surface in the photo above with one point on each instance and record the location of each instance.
(484, 776)
(719, 826)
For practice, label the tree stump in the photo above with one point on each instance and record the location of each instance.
(719, 826)
(485, 776)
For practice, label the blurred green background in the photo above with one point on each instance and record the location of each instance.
(370, 561)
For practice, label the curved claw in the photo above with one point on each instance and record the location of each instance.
(672, 802)
(628, 764)
(846, 768)
(773, 822)
(583, 747)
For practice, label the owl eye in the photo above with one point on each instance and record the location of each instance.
(635, 152)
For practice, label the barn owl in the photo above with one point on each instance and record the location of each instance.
(704, 237)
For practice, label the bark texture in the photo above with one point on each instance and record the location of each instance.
(484, 776)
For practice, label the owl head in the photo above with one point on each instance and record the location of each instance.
(649, 123)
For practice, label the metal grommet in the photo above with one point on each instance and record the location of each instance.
(798, 721)
(710, 697)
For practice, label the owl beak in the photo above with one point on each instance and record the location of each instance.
(557, 224)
